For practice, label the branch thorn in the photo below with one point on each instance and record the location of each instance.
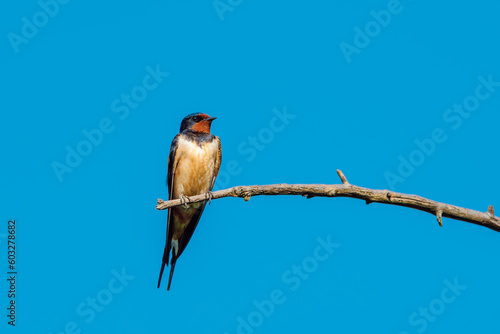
(491, 211)
(342, 177)
(439, 216)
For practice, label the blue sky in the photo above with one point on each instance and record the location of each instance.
(398, 95)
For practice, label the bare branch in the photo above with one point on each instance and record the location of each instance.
(487, 219)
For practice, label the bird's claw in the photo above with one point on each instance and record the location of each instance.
(184, 201)
(209, 196)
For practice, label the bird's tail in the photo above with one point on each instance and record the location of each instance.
(164, 262)
(161, 273)
(172, 266)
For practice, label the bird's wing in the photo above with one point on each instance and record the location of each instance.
(188, 232)
(172, 165)
(217, 163)
(173, 160)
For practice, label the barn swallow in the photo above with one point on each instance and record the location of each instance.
(193, 165)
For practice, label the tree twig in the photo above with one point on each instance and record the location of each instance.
(487, 219)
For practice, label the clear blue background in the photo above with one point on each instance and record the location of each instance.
(358, 116)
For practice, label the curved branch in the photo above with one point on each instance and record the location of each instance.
(487, 219)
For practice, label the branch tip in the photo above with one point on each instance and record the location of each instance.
(491, 210)
(342, 177)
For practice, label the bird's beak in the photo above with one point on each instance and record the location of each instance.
(210, 119)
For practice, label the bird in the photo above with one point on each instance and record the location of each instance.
(193, 164)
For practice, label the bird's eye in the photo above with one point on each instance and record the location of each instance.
(196, 119)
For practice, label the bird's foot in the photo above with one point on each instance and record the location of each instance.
(209, 195)
(184, 201)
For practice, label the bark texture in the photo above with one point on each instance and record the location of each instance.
(440, 210)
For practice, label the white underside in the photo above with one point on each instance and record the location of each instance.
(195, 168)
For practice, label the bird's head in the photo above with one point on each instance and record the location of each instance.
(197, 122)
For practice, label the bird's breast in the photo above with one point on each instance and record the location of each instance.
(195, 167)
